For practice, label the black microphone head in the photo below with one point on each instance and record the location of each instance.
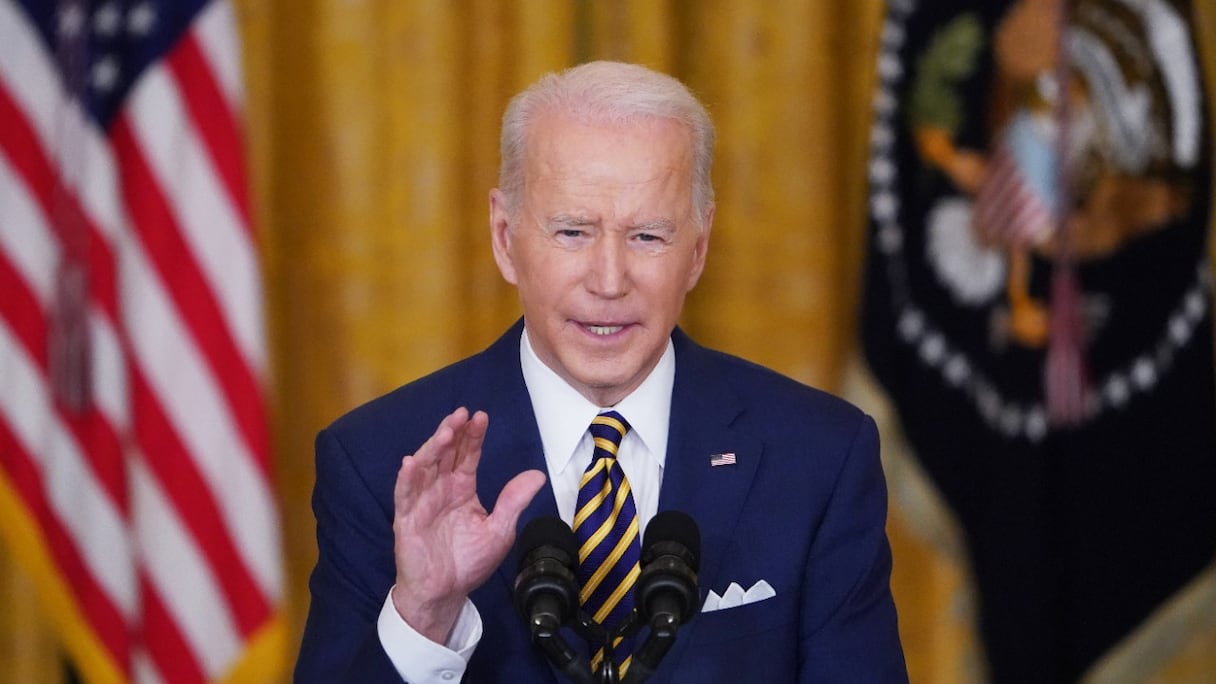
(552, 532)
(666, 594)
(546, 592)
(673, 527)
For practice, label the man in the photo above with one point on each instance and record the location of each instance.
(602, 221)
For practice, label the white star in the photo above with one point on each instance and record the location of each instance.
(957, 369)
(932, 349)
(106, 20)
(892, 34)
(881, 135)
(1194, 305)
(1144, 374)
(1116, 390)
(104, 75)
(885, 205)
(889, 67)
(890, 239)
(885, 102)
(882, 170)
(989, 402)
(71, 20)
(911, 325)
(1036, 424)
(141, 19)
(1010, 421)
(1180, 330)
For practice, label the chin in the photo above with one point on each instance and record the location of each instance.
(600, 384)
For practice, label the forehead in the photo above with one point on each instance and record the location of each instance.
(562, 148)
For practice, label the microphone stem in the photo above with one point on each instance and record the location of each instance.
(546, 636)
(660, 640)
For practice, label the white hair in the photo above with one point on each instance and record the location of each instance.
(610, 93)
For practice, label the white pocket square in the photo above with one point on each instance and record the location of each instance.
(735, 596)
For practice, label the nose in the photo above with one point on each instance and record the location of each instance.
(608, 270)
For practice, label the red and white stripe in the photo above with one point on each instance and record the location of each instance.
(154, 505)
(1008, 212)
(1065, 375)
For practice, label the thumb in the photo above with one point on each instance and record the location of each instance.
(515, 497)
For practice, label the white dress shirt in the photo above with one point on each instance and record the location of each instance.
(563, 416)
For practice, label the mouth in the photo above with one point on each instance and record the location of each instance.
(602, 330)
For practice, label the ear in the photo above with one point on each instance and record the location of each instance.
(701, 250)
(500, 235)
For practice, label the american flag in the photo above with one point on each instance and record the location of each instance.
(1016, 203)
(134, 463)
(722, 459)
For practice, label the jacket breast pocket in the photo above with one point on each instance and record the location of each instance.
(743, 621)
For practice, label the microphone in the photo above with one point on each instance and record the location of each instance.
(671, 554)
(666, 592)
(546, 593)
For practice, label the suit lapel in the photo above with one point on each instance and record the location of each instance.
(512, 446)
(513, 442)
(703, 408)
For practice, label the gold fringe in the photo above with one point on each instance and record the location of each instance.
(19, 529)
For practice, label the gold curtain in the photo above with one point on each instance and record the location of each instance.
(372, 137)
(379, 130)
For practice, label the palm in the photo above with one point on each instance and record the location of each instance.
(447, 544)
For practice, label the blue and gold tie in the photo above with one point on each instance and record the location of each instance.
(606, 526)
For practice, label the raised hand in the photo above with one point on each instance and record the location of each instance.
(446, 544)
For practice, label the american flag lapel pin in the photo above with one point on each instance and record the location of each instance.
(716, 460)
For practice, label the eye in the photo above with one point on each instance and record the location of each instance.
(569, 230)
(653, 234)
(652, 239)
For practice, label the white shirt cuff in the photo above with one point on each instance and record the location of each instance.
(418, 659)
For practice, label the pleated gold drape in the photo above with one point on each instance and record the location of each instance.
(379, 130)
(372, 134)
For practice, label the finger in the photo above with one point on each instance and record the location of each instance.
(515, 497)
(452, 453)
(434, 449)
(417, 502)
(409, 484)
(413, 493)
(468, 452)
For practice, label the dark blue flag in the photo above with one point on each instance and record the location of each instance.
(1038, 306)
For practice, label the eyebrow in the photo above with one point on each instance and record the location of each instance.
(571, 220)
(656, 226)
(577, 221)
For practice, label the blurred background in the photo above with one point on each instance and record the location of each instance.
(370, 138)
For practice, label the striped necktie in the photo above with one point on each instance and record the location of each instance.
(606, 526)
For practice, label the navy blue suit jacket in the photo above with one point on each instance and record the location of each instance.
(803, 508)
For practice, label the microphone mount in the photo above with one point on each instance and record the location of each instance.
(666, 596)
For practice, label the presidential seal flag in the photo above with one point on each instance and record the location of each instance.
(134, 465)
(1038, 309)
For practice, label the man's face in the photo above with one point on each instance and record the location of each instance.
(603, 247)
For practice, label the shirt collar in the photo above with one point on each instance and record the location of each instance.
(563, 415)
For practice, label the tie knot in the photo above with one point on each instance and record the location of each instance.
(611, 426)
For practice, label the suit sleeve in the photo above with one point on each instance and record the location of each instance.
(354, 572)
(849, 631)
